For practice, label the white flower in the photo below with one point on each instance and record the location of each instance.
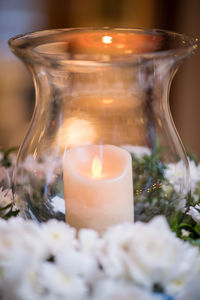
(194, 212)
(109, 289)
(57, 235)
(20, 253)
(90, 244)
(89, 240)
(192, 289)
(138, 151)
(78, 263)
(19, 234)
(126, 263)
(19, 280)
(110, 256)
(61, 284)
(185, 233)
(176, 175)
(149, 254)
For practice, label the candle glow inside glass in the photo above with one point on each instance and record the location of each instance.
(96, 167)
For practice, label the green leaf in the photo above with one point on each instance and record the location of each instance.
(186, 226)
(6, 207)
(8, 211)
(197, 229)
(10, 214)
(193, 157)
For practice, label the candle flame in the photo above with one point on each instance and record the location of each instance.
(96, 166)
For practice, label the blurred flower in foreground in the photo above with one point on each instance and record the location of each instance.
(150, 255)
(143, 261)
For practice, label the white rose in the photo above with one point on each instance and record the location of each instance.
(176, 175)
(192, 289)
(57, 235)
(150, 255)
(20, 254)
(60, 283)
(109, 289)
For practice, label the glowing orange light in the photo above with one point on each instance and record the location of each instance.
(128, 51)
(96, 166)
(76, 131)
(107, 39)
(107, 101)
(120, 46)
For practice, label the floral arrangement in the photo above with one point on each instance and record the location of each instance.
(143, 261)
(130, 261)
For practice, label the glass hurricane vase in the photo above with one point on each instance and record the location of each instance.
(102, 147)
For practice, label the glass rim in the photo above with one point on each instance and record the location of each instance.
(27, 46)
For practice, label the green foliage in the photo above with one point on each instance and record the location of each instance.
(6, 162)
(8, 211)
(184, 226)
(153, 194)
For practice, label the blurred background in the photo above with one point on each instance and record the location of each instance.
(21, 16)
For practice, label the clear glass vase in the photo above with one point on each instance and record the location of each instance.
(102, 147)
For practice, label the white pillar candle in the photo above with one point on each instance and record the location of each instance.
(98, 186)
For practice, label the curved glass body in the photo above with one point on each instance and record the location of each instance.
(102, 145)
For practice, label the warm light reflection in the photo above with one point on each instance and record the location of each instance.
(107, 39)
(107, 101)
(128, 51)
(96, 166)
(120, 46)
(77, 132)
